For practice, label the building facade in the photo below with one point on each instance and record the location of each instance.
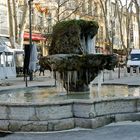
(46, 13)
(4, 23)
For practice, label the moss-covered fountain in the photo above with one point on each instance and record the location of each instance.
(71, 54)
(75, 66)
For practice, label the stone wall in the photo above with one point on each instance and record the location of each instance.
(68, 114)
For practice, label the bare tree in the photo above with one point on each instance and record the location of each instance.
(66, 8)
(23, 24)
(15, 17)
(124, 12)
(103, 5)
(11, 23)
(15, 34)
(119, 10)
(128, 14)
(137, 6)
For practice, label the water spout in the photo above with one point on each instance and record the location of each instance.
(90, 45)
(100, 81)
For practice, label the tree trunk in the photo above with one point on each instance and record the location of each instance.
(104, 8)
(120, 14)
(138, 19)
(23, 24)
(19, 59)
(128, 22)
(11, 24)
(15, 12)
(137, 6)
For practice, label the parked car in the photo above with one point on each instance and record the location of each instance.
(133, 60)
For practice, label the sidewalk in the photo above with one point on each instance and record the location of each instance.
(47, 80)
(113, 78)
(114, 131)
(19, 82)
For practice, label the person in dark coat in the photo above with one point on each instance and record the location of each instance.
(41, 70)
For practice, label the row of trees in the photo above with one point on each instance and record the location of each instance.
(16, 32)
(78, 7)
(122, 12)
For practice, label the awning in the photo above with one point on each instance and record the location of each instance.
(36, 37)
(4, 42)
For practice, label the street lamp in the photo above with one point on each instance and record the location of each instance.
(30, 22)
(30, 31)
(112, 33)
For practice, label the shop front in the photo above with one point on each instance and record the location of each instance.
(7, 61)
(37, 39)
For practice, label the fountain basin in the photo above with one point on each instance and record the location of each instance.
(67, 114)
(75, 71)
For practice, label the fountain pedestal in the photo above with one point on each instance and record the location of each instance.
(77, 71)
(70, 54)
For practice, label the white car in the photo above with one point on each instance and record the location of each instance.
(133, 60)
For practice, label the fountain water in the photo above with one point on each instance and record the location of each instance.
(100, 81)
(36, 109)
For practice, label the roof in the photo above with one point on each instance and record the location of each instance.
(4, 42)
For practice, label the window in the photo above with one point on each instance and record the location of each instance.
(9, 60)
(135, 57)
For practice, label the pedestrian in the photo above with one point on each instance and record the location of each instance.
(41, 70)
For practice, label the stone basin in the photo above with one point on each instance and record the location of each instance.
(67, 114)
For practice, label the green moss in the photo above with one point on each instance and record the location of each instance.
(66, 36)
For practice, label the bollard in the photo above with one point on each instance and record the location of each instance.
(125, 72)
(137, 70)
(131, 71)
(110, 75)
(119, 71)
(103, 76)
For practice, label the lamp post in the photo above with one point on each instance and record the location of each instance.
(30, 22)
(30, 32)
(112, 34)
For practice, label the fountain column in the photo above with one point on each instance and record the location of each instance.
(90, 45)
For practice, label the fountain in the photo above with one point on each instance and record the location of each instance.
(75, 67)
(72, 56)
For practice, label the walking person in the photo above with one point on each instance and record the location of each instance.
(41, 70)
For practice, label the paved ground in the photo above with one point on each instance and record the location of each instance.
(19, 82)
(117, 131)
(114, 77)
(125, 78)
